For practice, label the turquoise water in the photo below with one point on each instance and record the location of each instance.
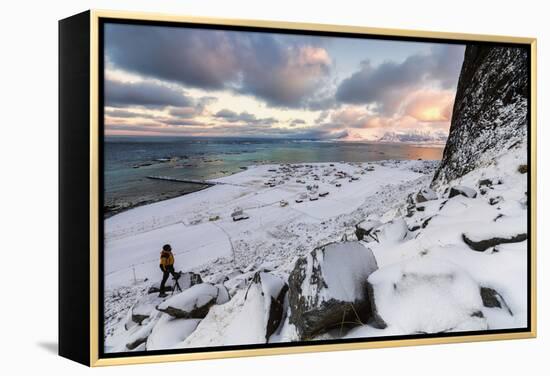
(129, 160)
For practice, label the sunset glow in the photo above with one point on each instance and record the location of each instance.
(189, 82)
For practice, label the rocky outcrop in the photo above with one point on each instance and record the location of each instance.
(490, 109)
(327, 288)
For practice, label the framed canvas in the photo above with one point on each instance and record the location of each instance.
(236, 188)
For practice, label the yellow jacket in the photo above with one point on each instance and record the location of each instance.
(166, 259)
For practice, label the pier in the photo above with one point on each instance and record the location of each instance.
(189, 181)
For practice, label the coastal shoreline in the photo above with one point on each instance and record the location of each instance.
(108, 212)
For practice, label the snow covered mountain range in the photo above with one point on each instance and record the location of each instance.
(414, 137)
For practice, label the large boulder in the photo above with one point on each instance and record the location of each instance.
(194, 302)
(425, 295)
(327, 288)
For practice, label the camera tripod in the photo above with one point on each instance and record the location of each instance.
(176, 286)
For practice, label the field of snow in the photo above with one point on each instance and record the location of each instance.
(449, 260)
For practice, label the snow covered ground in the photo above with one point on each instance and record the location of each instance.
(133, 239)
(430, 277)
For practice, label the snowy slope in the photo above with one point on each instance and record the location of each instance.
(430, 278)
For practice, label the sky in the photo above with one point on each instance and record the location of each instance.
(173, 81)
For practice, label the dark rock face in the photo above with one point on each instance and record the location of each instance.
(490, 109)
(322, 297)
(482, 245)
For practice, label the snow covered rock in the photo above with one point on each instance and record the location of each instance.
(168, 332)
(463, 191)
(143, 309)
(488, 182)
(393, 231)
(194, 302)
(505, 230)
(265, 295)
(425, 295)
(328, 287)
(426, 194)
(495, 200)
(479, 244)
(185, 281)
(492, 299)
(363, 229)
(139, 334)
(252, 316)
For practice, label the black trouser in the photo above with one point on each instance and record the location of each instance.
(166, 271)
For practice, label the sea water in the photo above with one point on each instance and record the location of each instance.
(128, 161)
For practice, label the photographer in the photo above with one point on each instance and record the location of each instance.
(167, 267)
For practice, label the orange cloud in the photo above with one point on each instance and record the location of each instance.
(430, 105)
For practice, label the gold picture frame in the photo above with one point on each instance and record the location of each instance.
(93, 205)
